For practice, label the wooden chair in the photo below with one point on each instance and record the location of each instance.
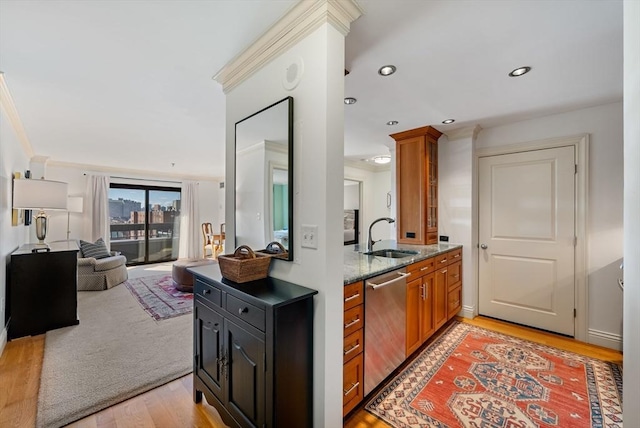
(208, 241)
(218, 241)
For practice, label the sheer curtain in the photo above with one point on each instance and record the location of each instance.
(97, 208)
(190, 232)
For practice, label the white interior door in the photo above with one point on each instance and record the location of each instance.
(527, 238)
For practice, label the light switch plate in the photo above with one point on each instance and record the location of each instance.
(309, 236)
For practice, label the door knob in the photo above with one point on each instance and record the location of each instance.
(483, 246)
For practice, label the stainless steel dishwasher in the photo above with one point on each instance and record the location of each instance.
(384, 327)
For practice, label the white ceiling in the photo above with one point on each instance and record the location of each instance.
(128, 84)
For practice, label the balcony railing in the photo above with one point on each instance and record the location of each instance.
(129, 239)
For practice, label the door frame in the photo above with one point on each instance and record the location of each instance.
(580, 143)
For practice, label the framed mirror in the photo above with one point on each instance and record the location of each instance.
(264, 179)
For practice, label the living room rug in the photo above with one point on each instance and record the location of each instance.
(472, 377)
(159, 296)
(116, 352)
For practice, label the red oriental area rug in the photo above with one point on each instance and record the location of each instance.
(472, 377)
(159, 297)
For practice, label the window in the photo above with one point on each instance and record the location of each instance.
(144, 222)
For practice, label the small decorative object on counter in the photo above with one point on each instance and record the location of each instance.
(275, 249)
(244, 265)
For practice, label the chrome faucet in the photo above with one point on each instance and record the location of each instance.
(370, 241)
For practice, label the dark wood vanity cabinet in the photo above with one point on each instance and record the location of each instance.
(253, 349)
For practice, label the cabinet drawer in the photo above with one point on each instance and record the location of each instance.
(353, 320)
(352, 384)
(455, 255)
(454, 275)
(207, 292)
(246, 312)
(422, 267)
(442, 260)
(454, 302)
(353, 345)
(353, 295)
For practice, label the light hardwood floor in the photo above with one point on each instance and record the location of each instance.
(172, 405)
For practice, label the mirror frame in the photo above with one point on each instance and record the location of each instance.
(290, 167)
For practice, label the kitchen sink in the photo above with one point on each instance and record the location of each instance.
(391, 253)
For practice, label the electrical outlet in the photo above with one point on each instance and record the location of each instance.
(309, 236)
(444, 238)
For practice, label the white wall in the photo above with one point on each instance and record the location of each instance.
(318, 192)
(374, 188)
(12, 159)
(631, 212)
(604, 218)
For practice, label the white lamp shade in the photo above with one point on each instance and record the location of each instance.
(39, 194)
(74, 204)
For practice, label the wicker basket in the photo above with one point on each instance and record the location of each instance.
(275, 249)
(244, 265)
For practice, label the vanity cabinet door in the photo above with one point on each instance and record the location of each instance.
(414, 309)
(209, 348)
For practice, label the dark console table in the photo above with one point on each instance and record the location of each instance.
(42, 291)
(253, 349)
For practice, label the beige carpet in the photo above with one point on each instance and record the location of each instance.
(116, 352)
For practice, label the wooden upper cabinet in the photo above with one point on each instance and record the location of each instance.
(417, 185)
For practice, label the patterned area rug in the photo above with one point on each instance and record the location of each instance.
(472, 377)
(159, 296)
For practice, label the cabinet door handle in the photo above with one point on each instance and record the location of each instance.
(353, 348)
(443, 271)
(355, 296)
(353, 386)
(352, 323)
(422, 287)
(243, 310)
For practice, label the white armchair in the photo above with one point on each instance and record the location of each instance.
(101, 274)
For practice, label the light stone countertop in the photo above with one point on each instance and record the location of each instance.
(358, 266)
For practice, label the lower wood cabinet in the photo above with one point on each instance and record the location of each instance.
(253, 349)
(353, 369)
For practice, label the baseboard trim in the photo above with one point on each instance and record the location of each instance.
(467, 311)
(3, 339)
(603, 338)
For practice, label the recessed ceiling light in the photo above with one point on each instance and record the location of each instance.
(520, 71)
(350, 100)
(382, 159)
(448, 121)
(392, 122)
(387, 70)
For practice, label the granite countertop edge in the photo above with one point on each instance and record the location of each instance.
(358, 266)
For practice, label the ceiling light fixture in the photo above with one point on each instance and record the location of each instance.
(448, 121)
(392, 122)
(387, 70)
(520, 71)
(382, 159)
(350, 100)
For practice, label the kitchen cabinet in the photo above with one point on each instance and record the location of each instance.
(253, 349)
(417, 185)
(353, 369)
(420, 325)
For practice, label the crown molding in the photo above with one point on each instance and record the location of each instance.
(9, 108)
(468, 132)
(302, 19)
(135, 173)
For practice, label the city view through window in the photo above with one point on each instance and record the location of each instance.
(144, 222)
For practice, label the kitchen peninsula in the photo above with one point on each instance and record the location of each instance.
(394, 300)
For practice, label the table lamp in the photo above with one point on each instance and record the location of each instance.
(40, 195)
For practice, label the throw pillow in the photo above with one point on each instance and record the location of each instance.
(97, 250)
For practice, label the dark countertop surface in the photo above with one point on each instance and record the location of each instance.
(358, 266)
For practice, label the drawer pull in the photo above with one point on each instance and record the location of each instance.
(424, 268)
(456, 256)
(243, 310)
(205, 291)
(355, 296)
(456, 276)
(352, 323)
(353, 348)
(353, 386)
(443, 261)
(443, 271)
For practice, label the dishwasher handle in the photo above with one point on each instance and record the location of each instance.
(384, 284)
